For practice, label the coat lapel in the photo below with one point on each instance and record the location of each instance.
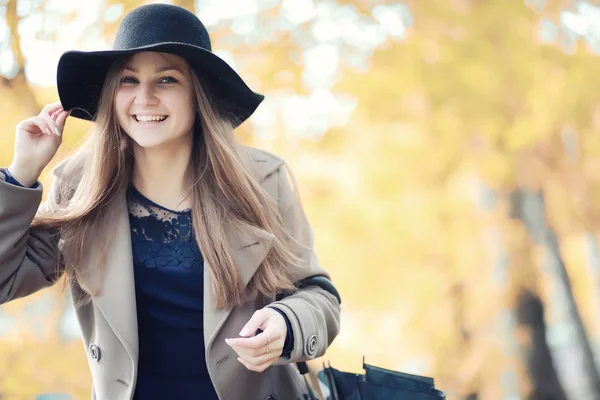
(116, 295)
(249, 246)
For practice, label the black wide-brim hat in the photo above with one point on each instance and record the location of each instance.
(161, 28)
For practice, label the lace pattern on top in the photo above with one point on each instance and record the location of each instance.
(161, 237)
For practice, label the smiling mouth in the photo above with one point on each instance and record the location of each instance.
(150, 119)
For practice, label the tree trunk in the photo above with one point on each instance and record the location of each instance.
(594, 267)
(544, 380)
(593, 253)
(571, 346)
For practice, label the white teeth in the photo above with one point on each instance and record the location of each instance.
(150, 118)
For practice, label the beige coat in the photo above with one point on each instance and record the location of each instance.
(109, 325)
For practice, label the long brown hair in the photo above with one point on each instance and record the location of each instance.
(224, 192)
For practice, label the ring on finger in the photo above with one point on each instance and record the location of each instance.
(268, 342)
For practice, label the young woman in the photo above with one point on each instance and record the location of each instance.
(177, 242)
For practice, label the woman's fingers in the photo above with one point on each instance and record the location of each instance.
(35, 126)
(274, 347)
(272, 337)
(58, 116)
(45, 126)
(258, 359)
(259, 352)
(49, 109)
(51, 124)
(61, 119)
(52, 113)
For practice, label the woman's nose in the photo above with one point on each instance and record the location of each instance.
(145, 96)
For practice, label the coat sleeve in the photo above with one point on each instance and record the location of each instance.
(313, 312)
(29, 258)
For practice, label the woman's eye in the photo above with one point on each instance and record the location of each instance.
(168, 79)
(128, 79)
(131, 80)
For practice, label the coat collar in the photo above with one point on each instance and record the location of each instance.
(115, 299)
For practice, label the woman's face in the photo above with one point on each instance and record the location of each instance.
(155, 102)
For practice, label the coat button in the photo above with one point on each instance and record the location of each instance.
(311, 347)
(94, 352)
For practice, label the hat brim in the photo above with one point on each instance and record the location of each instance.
(81, 75)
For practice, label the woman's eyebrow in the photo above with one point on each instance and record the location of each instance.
(169, 68)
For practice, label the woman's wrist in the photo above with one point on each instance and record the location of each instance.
(24, 176)
(288, 345)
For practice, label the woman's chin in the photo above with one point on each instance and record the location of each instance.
(148, 142)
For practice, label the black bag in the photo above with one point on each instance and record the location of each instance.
(376, 384)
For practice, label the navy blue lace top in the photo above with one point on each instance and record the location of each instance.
(168, 268)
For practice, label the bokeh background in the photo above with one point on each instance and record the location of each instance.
(448, 156)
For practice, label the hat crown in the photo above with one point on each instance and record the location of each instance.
(160, 23)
